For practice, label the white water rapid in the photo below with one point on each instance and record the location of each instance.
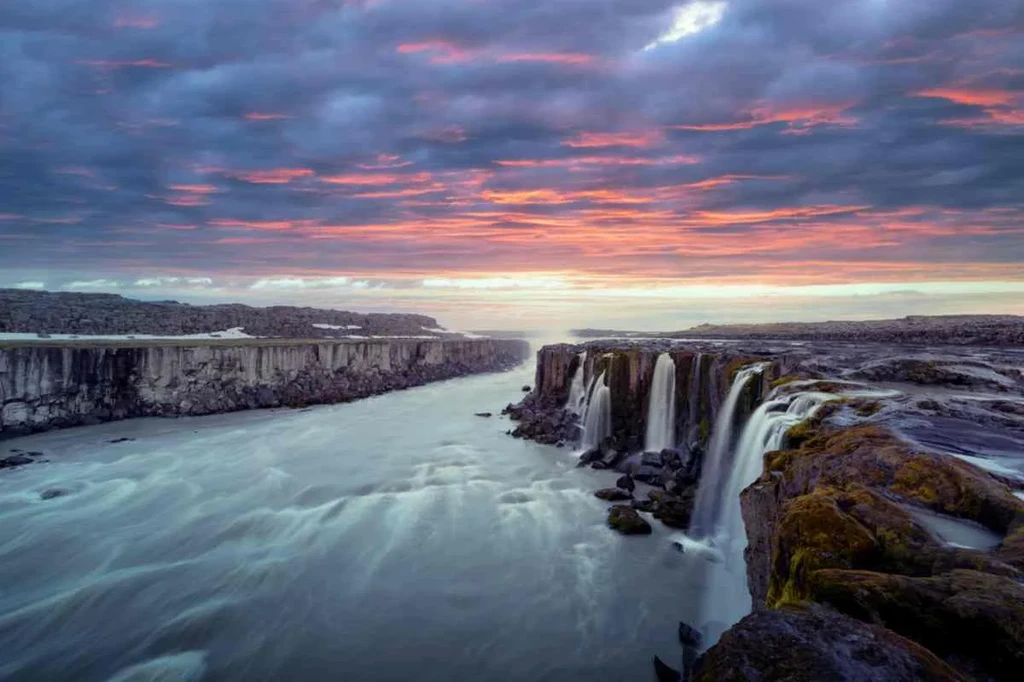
(715, 472)
(661, 411)
(597, 422)
(577, 389)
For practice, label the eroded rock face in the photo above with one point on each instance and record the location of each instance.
(814, 644)
(830, 522)
(44, 387)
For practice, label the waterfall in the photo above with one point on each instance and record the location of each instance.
(577, 389)
(661, 410)
(765, 431)
(727, 596)
(693, 396)
(597, 421)
(715, 473)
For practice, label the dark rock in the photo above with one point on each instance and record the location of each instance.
(590, 456)
(599, 465)
(121, 440)
(483, 414)
(626, 483)
(647, 505)
(648, 474)
(612, 495)
(813, 645)
(652, 459)
(14, 461)
(51, 493)
(673, 510)
(627, 521)
(664, 672)
(527, 389)
(689, 636)
(35, 453)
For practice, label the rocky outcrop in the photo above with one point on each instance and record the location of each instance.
(833, 521)
(44, 386)
(812, 644)
(703, 377)
(104, 314)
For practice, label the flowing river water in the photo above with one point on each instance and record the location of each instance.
(395, 538)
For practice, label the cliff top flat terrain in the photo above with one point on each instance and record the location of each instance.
(63, 313)
(974, 330)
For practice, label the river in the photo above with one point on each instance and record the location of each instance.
(396, 538)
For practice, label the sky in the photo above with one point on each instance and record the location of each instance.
(520, 163)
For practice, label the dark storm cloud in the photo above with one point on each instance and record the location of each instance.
(367, 134)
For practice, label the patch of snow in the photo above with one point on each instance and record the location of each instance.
(439, 330)
(323, 325)
(233, 333)
(1019, 494)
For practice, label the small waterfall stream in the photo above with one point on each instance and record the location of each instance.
(597, 421)
(577, 389)
(661, 410)
(693, 396)
(716, 472)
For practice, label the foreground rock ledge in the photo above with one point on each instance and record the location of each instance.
(45, 386)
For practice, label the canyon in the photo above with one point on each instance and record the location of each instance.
(849, 499)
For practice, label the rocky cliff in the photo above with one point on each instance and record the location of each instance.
(703, 374)
(52, 386)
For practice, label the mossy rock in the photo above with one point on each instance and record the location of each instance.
(627, 521)
(816, 644)
(974, 619)
(786, 380)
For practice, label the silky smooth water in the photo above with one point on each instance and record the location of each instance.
(395, 538)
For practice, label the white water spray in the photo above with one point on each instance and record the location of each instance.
(597, 422)
(577, 389)
(715, 472)
(661, 410)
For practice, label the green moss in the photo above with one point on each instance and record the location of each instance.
(786, 380)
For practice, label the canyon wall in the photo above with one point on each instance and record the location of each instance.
(59, 385)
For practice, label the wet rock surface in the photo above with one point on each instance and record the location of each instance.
(627, 521)
(814, 644)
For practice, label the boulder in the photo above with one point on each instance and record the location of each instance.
(483, 414)
(648, 474)
(627, 521)
(51, 493)
(814, 644)
(626, 483)
(14, 461)
(612, 495)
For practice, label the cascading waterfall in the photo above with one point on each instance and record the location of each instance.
(693, 396)
(597, 421)
(715, 474)
(661, 410)
(577, 389)
(727, 596)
